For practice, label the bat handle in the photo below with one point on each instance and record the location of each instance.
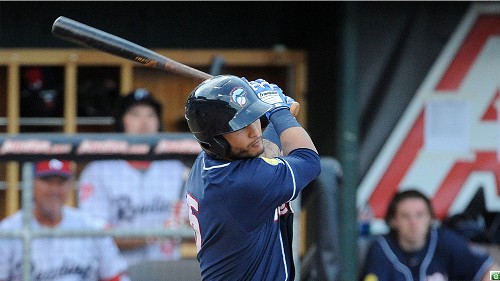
(295, 108)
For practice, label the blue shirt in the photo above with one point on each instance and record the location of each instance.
(241, 215)
(446, 255)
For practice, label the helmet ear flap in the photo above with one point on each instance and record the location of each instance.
(223, 145)
(205, 145)
(218, 148)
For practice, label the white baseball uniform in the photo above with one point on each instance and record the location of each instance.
(67, 258)
(127, 197)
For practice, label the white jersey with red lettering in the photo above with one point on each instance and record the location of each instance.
(69, 258)
(131, 198)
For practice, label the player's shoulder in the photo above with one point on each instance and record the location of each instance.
(13, 221)
(247, 165)
(448, 239)
(379, 242)
(447, 234)
(270, 161)
(211, 164)
(383, 245)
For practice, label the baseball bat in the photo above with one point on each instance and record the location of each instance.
(87, 36)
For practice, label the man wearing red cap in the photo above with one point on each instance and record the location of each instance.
(59, 258)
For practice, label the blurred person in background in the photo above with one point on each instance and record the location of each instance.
(416, 248)
(59, 258)
(137, 194)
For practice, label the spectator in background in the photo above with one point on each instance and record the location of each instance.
(137, 194)
(59, 258)
(416, 248)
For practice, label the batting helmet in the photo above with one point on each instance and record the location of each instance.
(137, 96)
(220, 105)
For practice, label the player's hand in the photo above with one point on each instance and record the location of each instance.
(271, 94)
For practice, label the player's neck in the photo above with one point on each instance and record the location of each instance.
(48, 221)
(411, 245)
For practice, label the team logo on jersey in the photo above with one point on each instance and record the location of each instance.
(272, 161)
(239, 96)
(371, 277)
(86, 191)
(125, 210)
(66, 269)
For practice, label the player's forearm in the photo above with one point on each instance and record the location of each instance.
(292, 135)
(294, 138)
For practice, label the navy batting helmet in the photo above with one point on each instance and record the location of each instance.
(137, 96)
(220, 105)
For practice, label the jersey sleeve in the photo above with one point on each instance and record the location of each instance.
(260, 185)
(92, 198)
(305, 166)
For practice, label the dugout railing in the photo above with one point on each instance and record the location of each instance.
(28, 148)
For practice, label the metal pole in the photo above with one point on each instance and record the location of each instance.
(349, 142)
(27, 198)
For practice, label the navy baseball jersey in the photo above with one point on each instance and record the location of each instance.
(241, 216)
(446, 256)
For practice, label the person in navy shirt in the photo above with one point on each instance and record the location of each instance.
(238, 199)
(417, 248)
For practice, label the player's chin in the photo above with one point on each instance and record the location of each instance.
(253, 152)
(258, 152)
(256, 149)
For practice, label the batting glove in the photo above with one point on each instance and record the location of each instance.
(289, 101)
(271, 94)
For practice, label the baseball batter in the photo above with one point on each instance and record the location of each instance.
(59, 258)
(239, 202)
(137, 194)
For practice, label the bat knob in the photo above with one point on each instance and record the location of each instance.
(294, 108)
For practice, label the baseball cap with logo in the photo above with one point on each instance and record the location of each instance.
(53, 167)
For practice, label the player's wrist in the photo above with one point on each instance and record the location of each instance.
(282, 120)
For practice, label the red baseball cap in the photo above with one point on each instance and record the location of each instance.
(53, 167)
